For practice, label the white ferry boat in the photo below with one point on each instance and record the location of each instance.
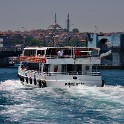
(60, 67)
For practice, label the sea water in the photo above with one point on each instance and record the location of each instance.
(76, 105)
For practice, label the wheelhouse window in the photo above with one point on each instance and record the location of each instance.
(87, 68)
(29, 52)
(30, 66)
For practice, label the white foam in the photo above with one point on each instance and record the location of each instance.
(111, 93)
(10, 85)
(108, 100)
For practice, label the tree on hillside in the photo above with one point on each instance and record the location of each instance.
(75, 30)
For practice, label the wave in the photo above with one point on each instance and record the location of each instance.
(113, 93)
(10, 85)
(57, 104)
(77, 90)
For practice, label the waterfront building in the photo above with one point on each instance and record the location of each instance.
(113, 42)
(5, 40)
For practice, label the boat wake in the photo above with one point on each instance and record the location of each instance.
(67, 105)
(10, 85)
(108, 91)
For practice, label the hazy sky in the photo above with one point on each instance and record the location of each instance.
(107, 15)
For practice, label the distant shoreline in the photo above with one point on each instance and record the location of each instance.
(110, 67)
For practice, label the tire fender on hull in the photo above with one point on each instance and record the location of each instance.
(103, 83)
(42, 83)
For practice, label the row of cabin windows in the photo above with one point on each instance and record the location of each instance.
(55, 52)
(67, 52)
(46, 68)
(49, 52)
(66, 68)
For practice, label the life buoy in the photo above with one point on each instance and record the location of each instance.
(30, 80)
(103, 83)
(23, 79)
(35, 83)
(42, 84)
(26, 80)
(20, 77)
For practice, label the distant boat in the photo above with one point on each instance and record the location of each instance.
(60, 67)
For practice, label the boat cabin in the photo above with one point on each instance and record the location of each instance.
(62, 52)
(62, 60)
(60, 66)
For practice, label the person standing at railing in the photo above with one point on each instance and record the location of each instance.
(60, 53)
(55, 68)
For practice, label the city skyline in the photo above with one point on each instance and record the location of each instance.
(85, 15)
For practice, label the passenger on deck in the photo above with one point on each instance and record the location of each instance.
(55, 68)
(60, 53)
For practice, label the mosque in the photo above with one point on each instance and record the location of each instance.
(56, 27)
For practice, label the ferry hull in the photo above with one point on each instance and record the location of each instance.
(71, 83)
(61, 83)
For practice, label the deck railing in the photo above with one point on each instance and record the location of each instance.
(94, 73)
(62, 73)
(72, 73)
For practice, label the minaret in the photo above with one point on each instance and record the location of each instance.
(68, 23)
(55, 19)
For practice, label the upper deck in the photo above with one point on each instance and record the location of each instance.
(61, 55)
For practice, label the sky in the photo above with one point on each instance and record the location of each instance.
(106, 15)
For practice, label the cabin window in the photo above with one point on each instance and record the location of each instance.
(69, 68)
(55, 68)
(30, 66)
(72, 68)
(79, 69)
(46, 68)
(40, 52)
(67, 52)
(64, 68)
(29, 52)
(87, 68)
(51, 52)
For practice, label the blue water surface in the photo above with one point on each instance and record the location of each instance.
(76, 105)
